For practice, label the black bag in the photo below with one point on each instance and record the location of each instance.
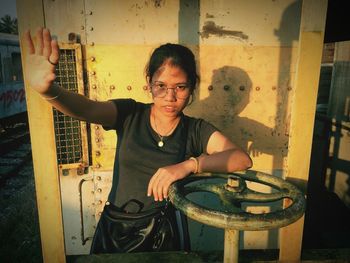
(152, 230)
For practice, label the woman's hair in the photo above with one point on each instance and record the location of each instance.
(177, 55)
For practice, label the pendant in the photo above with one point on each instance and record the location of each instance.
(160, 144)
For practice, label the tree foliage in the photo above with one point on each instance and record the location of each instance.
(8, 25)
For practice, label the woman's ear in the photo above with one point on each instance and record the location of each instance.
(148, 83)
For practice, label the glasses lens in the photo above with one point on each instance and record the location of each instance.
(182, 92)
(160, 90)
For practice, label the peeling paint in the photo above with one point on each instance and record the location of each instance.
(210, 28)
(158, 3)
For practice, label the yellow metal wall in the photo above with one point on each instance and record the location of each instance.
(248, 55)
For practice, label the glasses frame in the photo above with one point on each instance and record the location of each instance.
(185, 85)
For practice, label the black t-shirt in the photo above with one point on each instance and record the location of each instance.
(138, 155)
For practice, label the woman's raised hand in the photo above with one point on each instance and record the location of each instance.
(41, 60)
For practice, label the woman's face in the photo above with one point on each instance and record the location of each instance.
(174, 80)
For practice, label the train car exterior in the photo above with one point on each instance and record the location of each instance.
(253, 88)
(12, 95)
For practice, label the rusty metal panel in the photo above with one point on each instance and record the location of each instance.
(65, 17)
(247, 68)
(250, 23)
(30, 16)
(108, 79)
(131, 22)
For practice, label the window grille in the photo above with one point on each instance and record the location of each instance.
(67, 130)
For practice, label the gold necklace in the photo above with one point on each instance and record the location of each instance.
(161, 141)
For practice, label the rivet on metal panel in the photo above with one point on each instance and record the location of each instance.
(91, 28)
(274, 87)
(94, 86)
(97, 140)
(145, 87)
(98, 165)
(80, 170)
(90, 13)
(92, 59)
(210, 87)
(241, 88)
(129, 87)
(112, 87)
(98, 153)
(65, 172)
(92, 43)
(257, 88)
(99, 202)
(99, 190)
(108, 203)
(99, 213)
(93, 73)
(98, 178)
(97, 127)
(289, 88)
(72, 38)
(82, 27)
(226, 87)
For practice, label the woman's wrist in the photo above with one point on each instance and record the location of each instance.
(53, 93)
(195, 164)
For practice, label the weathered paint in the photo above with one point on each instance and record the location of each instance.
(303, 113)
(257, 74)
(44, 157)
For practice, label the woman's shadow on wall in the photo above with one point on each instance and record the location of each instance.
(229, 94)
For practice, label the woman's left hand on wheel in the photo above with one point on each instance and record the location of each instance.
(160, 182)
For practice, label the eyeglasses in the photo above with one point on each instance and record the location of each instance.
(159, 90)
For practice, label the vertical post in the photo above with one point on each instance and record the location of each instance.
(31, 16)
(231, 247)
(311, 36)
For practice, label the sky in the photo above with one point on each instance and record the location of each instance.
(8, 7)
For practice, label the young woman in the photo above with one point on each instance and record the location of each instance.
(157, 143)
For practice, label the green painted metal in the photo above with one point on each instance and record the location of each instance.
(232, 196)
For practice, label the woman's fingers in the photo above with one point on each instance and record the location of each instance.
(55, 53)
(159, 185)
(39, 42)
(29, 42)
(153, 187)
(46, 43)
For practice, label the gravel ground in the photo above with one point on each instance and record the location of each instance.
(19, 227)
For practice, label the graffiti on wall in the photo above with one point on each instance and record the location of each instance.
(12, 101)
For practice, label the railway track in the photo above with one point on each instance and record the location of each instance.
(15, 151)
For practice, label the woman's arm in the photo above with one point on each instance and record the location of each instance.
(40, 75)
(223, 156)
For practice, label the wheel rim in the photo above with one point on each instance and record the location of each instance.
(240, 220)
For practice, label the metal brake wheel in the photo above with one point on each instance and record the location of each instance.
(234, 192)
